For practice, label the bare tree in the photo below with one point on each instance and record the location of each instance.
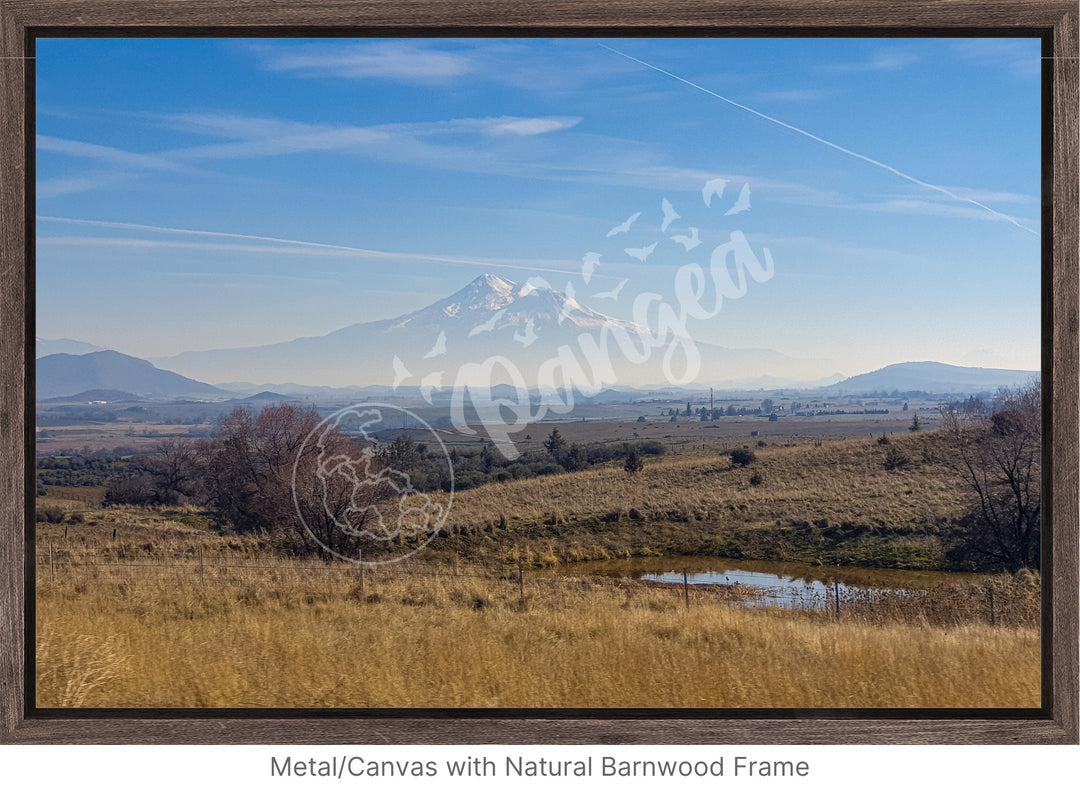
(996, 449)
(270, 474)
(175, 469)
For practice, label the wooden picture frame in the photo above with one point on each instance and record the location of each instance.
(1055, 21)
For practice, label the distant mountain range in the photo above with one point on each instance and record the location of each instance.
(525, 324)
(65, 375)
(69, 346)
(418, 355)
(932, 377)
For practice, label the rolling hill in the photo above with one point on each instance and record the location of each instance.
(64, 375)
(932, 377)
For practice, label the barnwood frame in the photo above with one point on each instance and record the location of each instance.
(1054, 21)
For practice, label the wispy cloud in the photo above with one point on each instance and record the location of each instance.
(245, 242)
(401, 61)
(1021, 57)
(540, 69)
(107, 155)
(421, 143)
(415, 142)
(926, 207)
(886, 59)
(531, 127)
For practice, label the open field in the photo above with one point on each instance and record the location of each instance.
(52, 440)
(282, 633)
(594, 424)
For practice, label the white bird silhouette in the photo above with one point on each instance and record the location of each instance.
(613, 294)
(488, 326)
(588, 265)
(689, 242)
(625, 226)
(569, 304)
(641, 253)
(714, 186)
(429, 383)
(529, 336)
(400, 372)
(669, 215)
(440, 346)
(741, 204)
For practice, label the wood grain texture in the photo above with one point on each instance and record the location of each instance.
(1057, 19)
(13, 316)
(566, 15)
(1061, 291)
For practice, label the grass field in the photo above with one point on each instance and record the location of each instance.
(153, 607)
(135, 621)
(282, 636)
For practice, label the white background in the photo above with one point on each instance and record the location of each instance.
(918, 772)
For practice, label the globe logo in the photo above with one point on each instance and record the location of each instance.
(354, 499)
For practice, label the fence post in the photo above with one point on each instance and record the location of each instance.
(686, 588)
(52, 569)
(360, 557)
(993, 621)
(201, 578)
(836, 596)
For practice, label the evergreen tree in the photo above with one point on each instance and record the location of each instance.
(555, 443)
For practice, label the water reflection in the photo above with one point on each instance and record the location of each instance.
(772, 590)
(775, 583)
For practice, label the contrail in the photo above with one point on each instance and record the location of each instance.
(313, 244)
(827, 143)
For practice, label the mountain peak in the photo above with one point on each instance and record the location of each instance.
(494, 283)
(486, 293)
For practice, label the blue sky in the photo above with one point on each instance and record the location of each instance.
(200, 193)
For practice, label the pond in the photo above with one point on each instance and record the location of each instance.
(774, 583)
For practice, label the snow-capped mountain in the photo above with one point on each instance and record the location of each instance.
(490, 304)
(525, 324)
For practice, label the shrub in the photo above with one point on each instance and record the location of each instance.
(756, 479)
(135, 489)
(49, 514)
(742, 457)
(896, 460)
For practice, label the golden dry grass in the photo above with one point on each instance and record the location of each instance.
(303, 635)
(258, 630)
(834, 481)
